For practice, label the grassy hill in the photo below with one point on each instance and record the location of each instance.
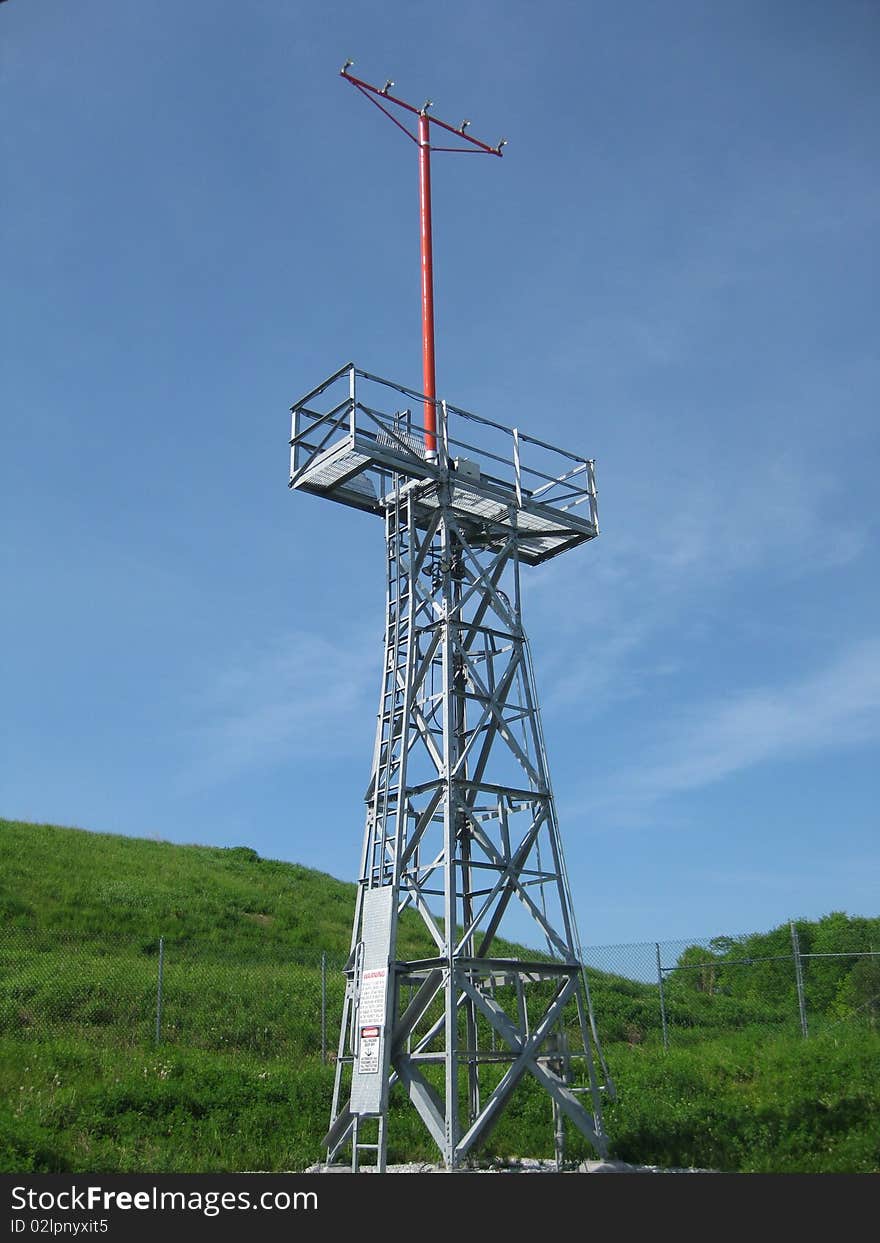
(238, 1082)
(229, 902)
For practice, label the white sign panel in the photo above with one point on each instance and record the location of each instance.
(368, 1055)
(372, 1003)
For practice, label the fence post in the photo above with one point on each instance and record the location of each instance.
(324, 1006)
(662, 996)
(799, 978)
(159, 990)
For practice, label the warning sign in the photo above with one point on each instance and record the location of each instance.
(368, 1054)
(372, 1002)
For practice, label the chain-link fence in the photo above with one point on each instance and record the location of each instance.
(131, 993)
(685, 991)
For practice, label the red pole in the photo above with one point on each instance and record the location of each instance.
(382, 98)
(428, 376)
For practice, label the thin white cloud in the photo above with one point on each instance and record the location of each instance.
(838, 706)
(639, 583)
(301, 696)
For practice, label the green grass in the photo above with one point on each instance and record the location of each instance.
(72, 1106)
(100, 887)
(747, 1103)
(237, 1083)
(740, 1104)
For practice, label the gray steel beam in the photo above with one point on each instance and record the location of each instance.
(450, 833)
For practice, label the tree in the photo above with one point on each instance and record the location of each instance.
(860, 991)
(697, 969)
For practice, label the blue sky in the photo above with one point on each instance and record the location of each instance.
(673, 270)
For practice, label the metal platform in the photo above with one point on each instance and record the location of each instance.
(346, 445)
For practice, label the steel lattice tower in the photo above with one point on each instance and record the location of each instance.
(460, 814)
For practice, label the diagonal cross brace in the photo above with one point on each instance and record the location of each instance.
(528, 1048)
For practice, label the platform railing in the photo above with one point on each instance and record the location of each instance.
(535, 470)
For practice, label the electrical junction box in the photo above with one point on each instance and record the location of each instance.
(467, 469)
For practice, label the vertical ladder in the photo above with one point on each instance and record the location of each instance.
(384, 795)
(358, 1146)
(385, 830)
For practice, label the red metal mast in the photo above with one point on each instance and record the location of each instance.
(429, 379)
(423, 141)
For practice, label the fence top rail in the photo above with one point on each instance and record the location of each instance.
(748, 962)
(729, 962)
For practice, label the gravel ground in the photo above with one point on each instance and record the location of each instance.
(517, 1165)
